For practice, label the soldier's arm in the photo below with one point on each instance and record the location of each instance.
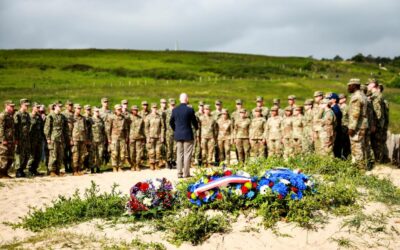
(17, 124)
(109, 129)
(162, 129)
(2, 125)
(354, 113)
(48, 127)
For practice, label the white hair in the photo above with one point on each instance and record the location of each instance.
(183, 98)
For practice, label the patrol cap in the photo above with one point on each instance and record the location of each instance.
(104, 99)
(124, 102)
(154, 105)
(243, 111)
(218, 102)
(77, 106)
(58, 103)
(117, 106)
(291, 97)
(274, 108)
(69, 103)
(36, 104)
(9, 103)
(171, 101)
(51, 106)
(300, 108)
(96, 109)
(259, 99)
(88, 107)
(24, 101)
(224, 111)
(257, 109)
(309, 102)
(135, 107)
(354, 81)
(318, 93)
(144, 103)
(207, 106)
(239, 102)
(163, 100)
(325, 101)
(276, 100)
(372, 80)
(341, 96)
(288, 108)
(201, 103)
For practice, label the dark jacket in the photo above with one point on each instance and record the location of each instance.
(181, 122)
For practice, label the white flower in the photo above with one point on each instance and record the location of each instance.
(157, 184)
(238, 192)
(147, 202)
(264, 189)
(284, 181)
(309, 183)
(139, 194)
(207, 194)
(297, 171)
(242, 173)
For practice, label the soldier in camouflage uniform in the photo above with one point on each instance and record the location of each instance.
(385, 127)
(145, 110)
(79, 141)
(36, 138)
(292, 101)
(88, 161)
(317, 121)
(57, 135)
(197, 142)
(345, 123)
(224, 130)
(307, 130)
(98, 137)
(236, 114)
(287, 128)
(208, 127)
(217, 114)
(117, 135)
(274, 133)
(125, 109)
(298, 135)
(105, 114)
(7, 139)
(69, 115)
(169, 134)
(369, 155)
(241, 134)
(22, 122)
(257, 133)
(154, 129)
(163, 113)
(136, 138)
(260, 104)
(327, 132)
(277, 102)
(358, 123)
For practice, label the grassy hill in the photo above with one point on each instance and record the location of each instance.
(85, 76)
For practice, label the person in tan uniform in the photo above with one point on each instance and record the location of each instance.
(274, 133)
(287, 137)
(224, 129)
(155, 134)
(317, 119)
(241, 135)
(136, 138)
(257, 134)
(208, 127)
(307, 130)
(298, 130)
(327, 132)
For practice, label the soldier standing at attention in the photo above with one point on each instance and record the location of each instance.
(57, 135)
(79, 141)
(327, 133)
(197, 142)
(105, 114)
(7, 139)
(257, 133)
(163, 113)
(217, 114)
(236, 114)
(169, 136)
(145, 110)
(69, 115)
(307, 130)
(241, 135)
(345, 123)
(125, 110)
(36, 138)
(98, 140)
(154, 137)
(317, 119)
(136, 138)
(298, 134)
(369, 157)
(385, 127)
(358, 123)
(88, 161)
(292, 101)
(117, 135)
(260, 104)
(22, 122)
(287, 137)
(277, 102)
(208, 127)
(224, 129)
(274, 133)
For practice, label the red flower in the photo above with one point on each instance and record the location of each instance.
(295, 189)
(254, 184)
(144, 186)
(244, 189)
(228, 173)
(219, 196)
(271, 184)
(189, 194)
(202, 195)
(280, 197)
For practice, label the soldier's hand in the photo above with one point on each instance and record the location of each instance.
(48, 141)
(351, 132)
(162, 140)
(4, 142)
(72, 143)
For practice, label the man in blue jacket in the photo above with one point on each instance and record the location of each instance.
(181, 122)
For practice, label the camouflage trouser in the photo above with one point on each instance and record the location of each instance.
(197, 150)
(97, 153)
(257, 148)
(56, 155)
(307, 146)
(358, 149)
(118, 149)
(136, 151)
(297, 146)
(22, 153)
(369, 154)
(224, 147)
(88, 159)
(171, 147)
(287, 148)
(326, 141)
(243, 148)
(378, 144)
(35, 155)
(274, 148)
(154, 150)
(79, 152)
(67, 158)
(6, 157)
(207, 150)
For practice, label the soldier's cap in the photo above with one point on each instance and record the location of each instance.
(325, 101)
(77, 106)
(318, 93)
(163, 100)
(104, 99)
(154, 105)
(144, 103)
(291, 97)
(341, 96)
(328, 95)
(124, 102)
(206, 106)
(201, 103)
(363, 87)
(36, 104)
(88, 107)
(51, 106)
(243, 111)
(257, 109)
(24, 101)
(218, 102)
(288, 108)
(309, 102)
(298, 108)
(96, 109)
(354, 81)
(224, 111)
(58, 103)
(274, 108)
(9, 103)
(69, 103)
(239, 102)
(259, 99)
(372, 80)
(118, 106)
(135, 107)
(276, 100)
(172, 101)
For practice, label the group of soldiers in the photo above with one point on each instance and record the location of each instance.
(86, 140)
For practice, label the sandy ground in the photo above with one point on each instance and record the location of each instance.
(18, 195)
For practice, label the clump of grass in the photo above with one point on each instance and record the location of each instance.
(64, 211)
(343, 242)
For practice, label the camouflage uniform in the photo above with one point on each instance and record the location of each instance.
(264, 110)
(208, 126)
(7, 141)
(197, 142)
(105, 115)
(117, 134)
(170, 142)
(317, 125)
(69, 115)
(307, 130)
(274, 135)
(369, 154)
(36, 138)
(224, 129)
(298, 134)
(241, 135)
(22, 122)
(155, 133)
(98, 141)
(257, 136)
(377, 138)
(345, 123)
(136, 141)
(327, 133)
(287, 128)
(79, 139)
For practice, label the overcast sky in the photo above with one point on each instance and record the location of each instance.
(322, 28)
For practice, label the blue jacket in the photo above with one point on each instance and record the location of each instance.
(181, 122)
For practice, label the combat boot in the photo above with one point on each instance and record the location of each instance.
(115, 169)
(152, 166)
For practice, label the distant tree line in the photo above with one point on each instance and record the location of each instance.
(360, 58)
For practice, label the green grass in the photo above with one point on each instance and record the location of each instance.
(85, 76)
